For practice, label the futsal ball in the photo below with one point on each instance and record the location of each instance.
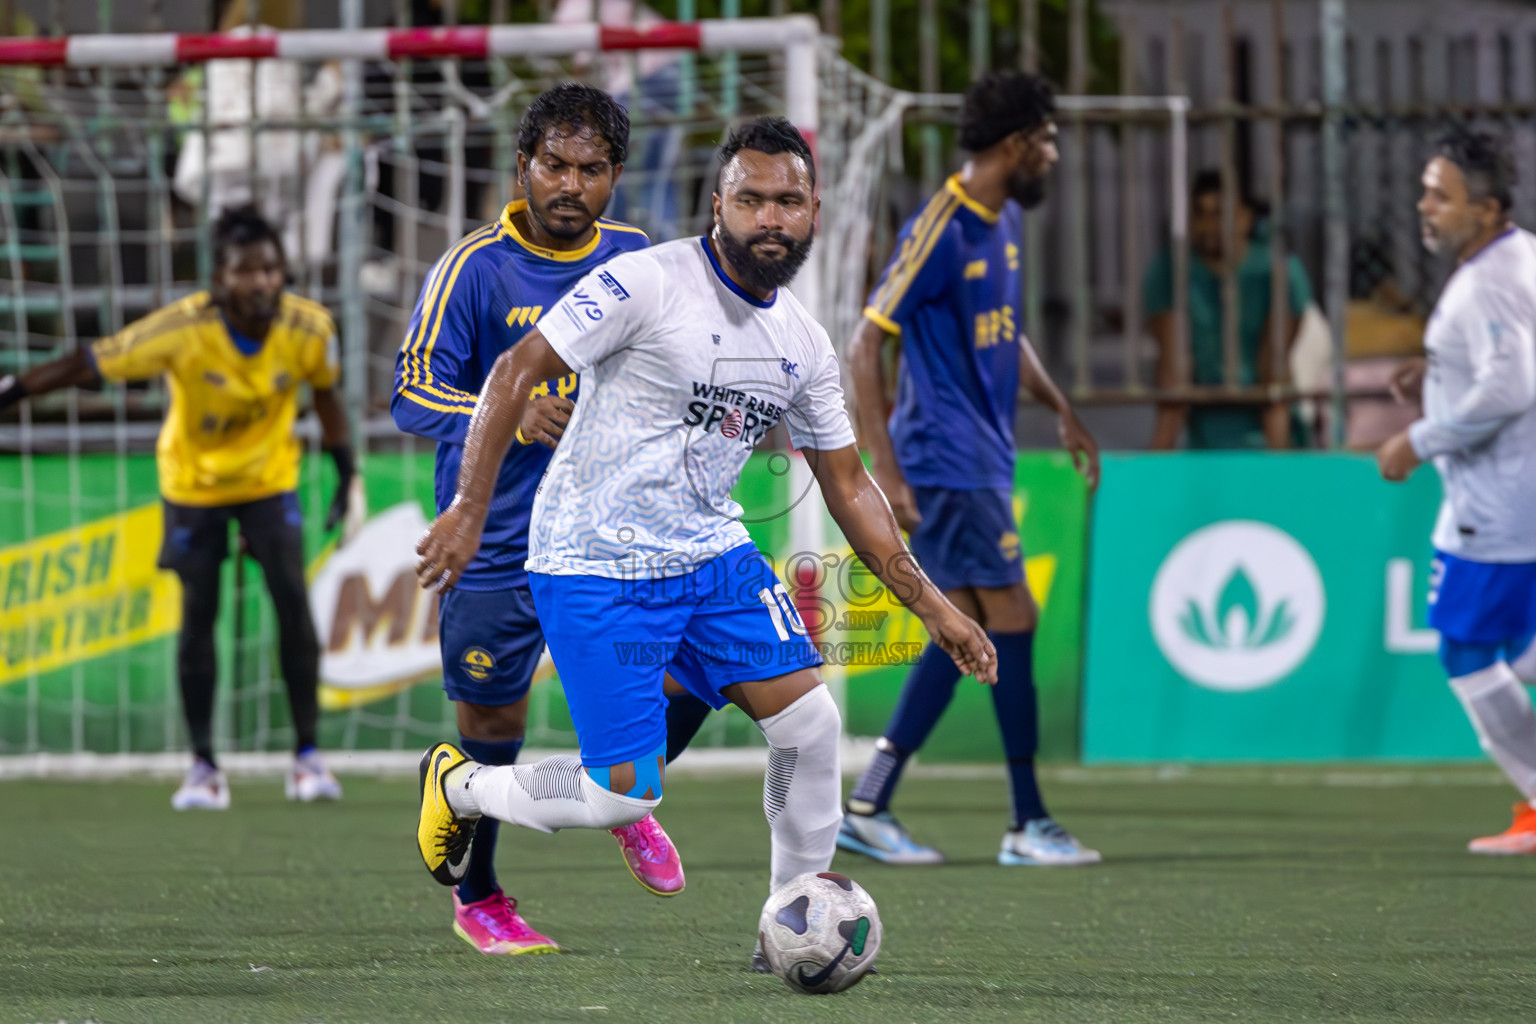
(820, 933)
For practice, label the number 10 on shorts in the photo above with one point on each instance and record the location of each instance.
(782, 609)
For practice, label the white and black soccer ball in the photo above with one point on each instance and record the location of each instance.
(820, 933)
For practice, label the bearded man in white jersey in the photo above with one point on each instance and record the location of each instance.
(690, 352)
(1479, 426)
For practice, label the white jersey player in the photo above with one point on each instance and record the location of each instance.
(1479, 428)
(689, 353)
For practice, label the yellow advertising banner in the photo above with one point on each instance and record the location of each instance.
(84, 592)
(880, 632)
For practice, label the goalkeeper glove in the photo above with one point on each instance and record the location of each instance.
(346, 470)
(12, 390)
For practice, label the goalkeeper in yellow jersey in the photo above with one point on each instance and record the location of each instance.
(234, 357)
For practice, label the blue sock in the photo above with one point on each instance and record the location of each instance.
(685, 714)
(1013, 698)
(480, 877)
(928, 692)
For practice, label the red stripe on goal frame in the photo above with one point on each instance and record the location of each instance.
(41, 52)
(196, 48)
(673, 35)
(472, 43)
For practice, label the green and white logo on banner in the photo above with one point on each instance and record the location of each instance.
(1263, 607)
(1237, 605)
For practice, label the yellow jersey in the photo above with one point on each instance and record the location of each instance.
(228, 437)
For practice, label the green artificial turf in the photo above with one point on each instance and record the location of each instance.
(1226, 895)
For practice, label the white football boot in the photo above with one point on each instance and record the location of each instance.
(310, 780)
(204, 789)
(1043, 843)
(884, 838)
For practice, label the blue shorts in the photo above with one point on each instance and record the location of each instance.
(967, 538)
(729, 621)
(1482, 602)
(491, 643)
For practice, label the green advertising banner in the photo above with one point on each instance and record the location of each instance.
(1250, 607)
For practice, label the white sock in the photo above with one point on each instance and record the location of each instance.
(547, 795)
(1500, 708)
(803, 788)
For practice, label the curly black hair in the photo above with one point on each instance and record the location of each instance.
(771, 135)
(1001, 103)
(1211, 182)
(572, 106)
(1485, 161)
(240, 226)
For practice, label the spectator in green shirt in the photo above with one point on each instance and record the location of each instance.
(1234, 425)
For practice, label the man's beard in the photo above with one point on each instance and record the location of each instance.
(1446, 242)
(1027, 192)
(763, 273)
(558, 230)
(1432, 241)
(251, 309)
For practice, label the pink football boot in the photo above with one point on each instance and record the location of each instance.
(651, 857)
(493, 925)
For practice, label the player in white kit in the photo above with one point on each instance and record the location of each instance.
(690, 352)
(1479, 428)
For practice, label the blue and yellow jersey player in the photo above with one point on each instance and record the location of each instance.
(945, 460)
(483, 295)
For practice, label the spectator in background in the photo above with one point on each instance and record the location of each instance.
(297, 175)
(1226, 425)
(648, 85)
(435, 85)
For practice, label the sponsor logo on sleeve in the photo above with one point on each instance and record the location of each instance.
(582, 304)
(611, 283)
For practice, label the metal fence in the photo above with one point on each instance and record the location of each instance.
(1326, 112)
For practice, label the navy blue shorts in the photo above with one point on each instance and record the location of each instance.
(729, 621)
(967, 538)
(491, 643)
(1482, 602)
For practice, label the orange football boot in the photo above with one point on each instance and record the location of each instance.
(1519, 838)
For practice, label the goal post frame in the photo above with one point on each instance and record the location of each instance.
(796, 36)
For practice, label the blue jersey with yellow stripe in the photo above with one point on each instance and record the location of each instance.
(952, 292)
(482, 296)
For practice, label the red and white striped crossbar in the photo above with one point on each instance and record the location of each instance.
(752, 35)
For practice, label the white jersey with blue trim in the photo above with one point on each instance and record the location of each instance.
(683, 373)
(1479, 422)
